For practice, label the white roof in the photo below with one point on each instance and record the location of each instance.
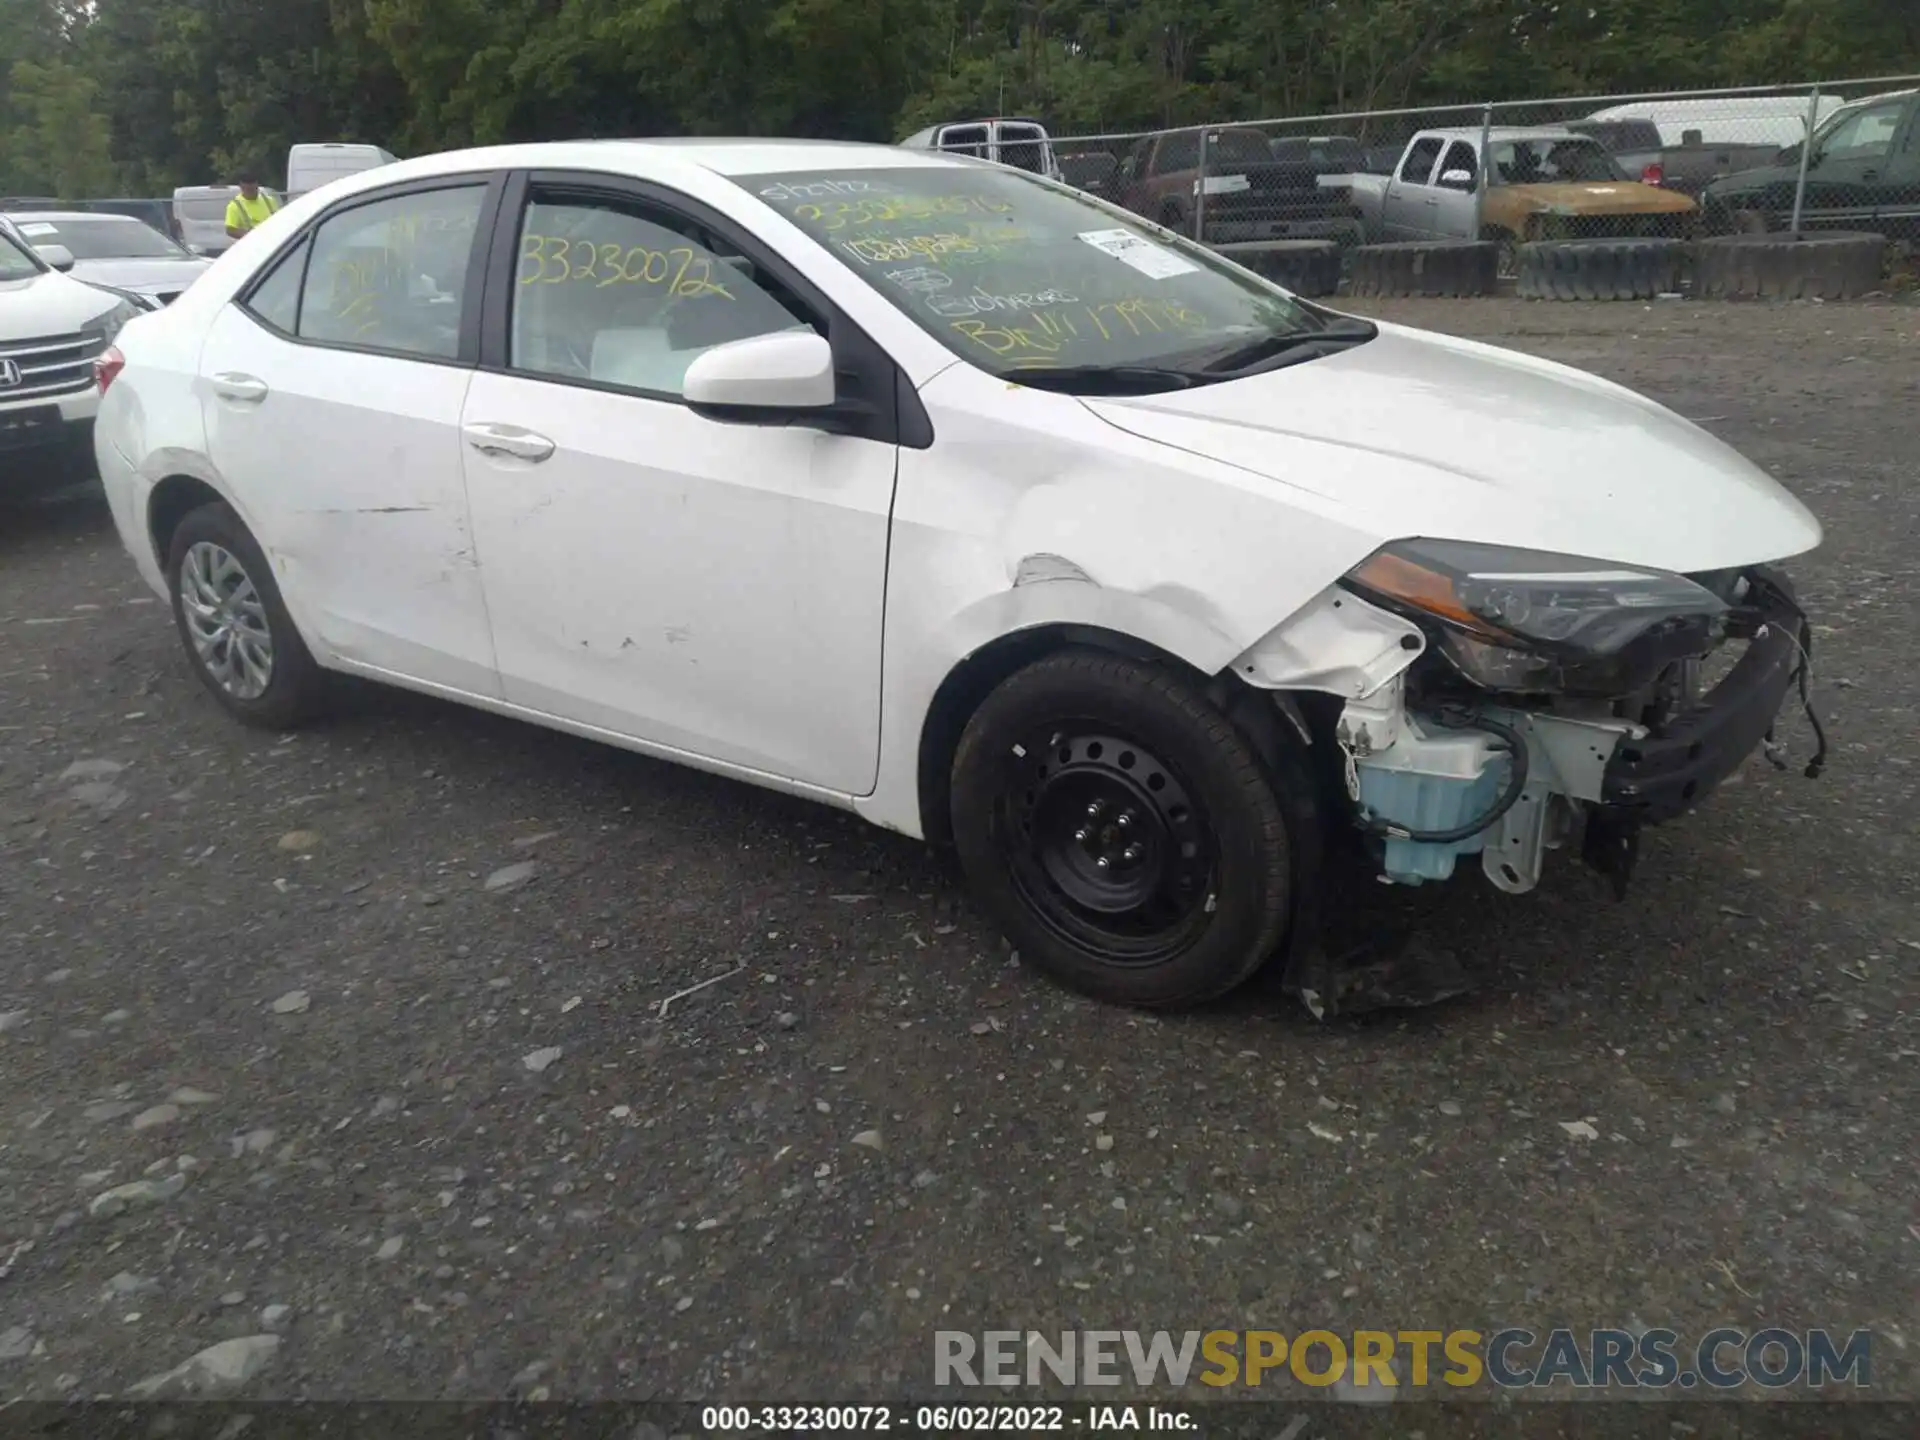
(1501, 133)
(723, 157)
(55, 217)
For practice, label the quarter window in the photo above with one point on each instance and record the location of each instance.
(391, 275)
(276, 299)
(622, 293)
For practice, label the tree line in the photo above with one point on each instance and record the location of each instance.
(133, 97)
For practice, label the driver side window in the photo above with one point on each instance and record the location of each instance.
(1866, 136)
(617, 292)
(1459, 160)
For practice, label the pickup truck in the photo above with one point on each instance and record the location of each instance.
(1543, 184)
(1863, 174)
(1250, 197)
(1687, 168)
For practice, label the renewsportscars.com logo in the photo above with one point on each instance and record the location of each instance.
(1772, 1358)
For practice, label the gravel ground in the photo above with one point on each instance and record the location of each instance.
(372, 1017)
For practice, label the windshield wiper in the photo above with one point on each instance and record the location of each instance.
(1270, 351)
(1104, 379)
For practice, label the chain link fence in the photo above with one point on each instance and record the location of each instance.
(1682, 166)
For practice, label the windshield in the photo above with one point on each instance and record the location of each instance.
(1548, 161)
(1335, 150)
(1238, 147)
(15, 262)
(1013, 273)
(103, 239)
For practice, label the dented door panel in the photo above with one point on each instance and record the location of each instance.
(713, 589)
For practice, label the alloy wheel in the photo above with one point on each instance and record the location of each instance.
(226, 620)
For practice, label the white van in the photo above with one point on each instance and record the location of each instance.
(1779, 120)
(1014, 140)
(200, 216)
(311, 166)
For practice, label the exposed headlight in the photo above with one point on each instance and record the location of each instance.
(1525, 620)
(100, 332)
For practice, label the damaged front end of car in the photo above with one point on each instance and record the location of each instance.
(1558, 700)
(1500, 704)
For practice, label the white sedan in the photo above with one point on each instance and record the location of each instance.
(968, 502)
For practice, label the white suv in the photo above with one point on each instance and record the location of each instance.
(52, 328)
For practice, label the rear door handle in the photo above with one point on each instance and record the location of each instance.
(509, 440)
(243, 389)
(1869, 174)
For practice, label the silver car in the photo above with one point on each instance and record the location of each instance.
(116, 252)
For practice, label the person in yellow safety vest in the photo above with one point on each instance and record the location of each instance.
(248, 208)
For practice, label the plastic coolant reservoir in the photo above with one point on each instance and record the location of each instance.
(1432, 781)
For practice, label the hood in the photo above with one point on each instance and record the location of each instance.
(144, 276)
(1412, 434)
(49, 304)
(1597, 197)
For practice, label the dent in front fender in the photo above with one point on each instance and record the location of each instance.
(1337, 643)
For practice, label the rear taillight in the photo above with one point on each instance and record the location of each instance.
(1653, 174)
(107, 367)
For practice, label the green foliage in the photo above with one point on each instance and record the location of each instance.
(141, 95)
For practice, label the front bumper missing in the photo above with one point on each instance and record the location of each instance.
(1595, 781)
(1672, 769)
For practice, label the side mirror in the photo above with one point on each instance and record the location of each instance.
(58, 256)
(1457, 179)
(764, 380)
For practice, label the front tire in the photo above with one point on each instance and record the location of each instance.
(1122, 832)
(234, 626)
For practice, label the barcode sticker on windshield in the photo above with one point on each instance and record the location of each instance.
(1143, 255)
(39, 227)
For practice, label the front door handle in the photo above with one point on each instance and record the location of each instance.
(1869, 174)
(509, 440)
(243, 389)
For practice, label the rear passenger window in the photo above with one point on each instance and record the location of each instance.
(391, 275)
(276, 299)
(1419, 162)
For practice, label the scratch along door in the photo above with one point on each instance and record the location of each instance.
(332, 399)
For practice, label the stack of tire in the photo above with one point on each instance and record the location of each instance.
(1306, 267)
(1636, 269)
(1837, 265)
(1448, 269)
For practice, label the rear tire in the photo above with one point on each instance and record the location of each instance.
(234, 626)
(1085, 757)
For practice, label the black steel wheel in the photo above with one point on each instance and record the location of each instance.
(1123, 832)
(1106, 844)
